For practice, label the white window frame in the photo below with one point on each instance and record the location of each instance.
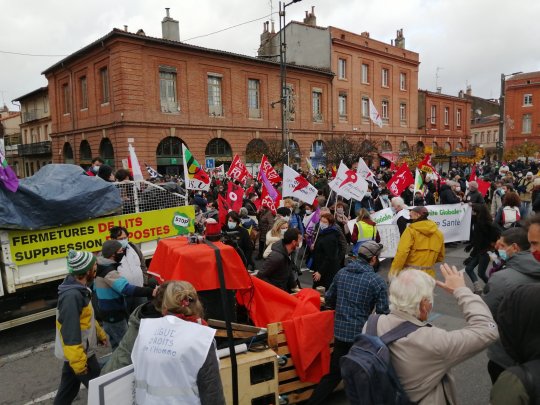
(342, 105)
(168, 95)
(446, 116)
(403, 112)
(403, 81)
(365, 107)
(254, 98)
(316, 105)
(526, 124)
(342, 68)
(527, 100)
(385, 106)
(385, 74)
(215, 95)
(365, 73)
(458, 117)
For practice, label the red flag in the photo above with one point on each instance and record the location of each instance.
(334, 171)
(266, 201)
(238, 170)
(401, 180)
(269, 171)
(235, 195)
(426, 166)
(223, 209)
(483, 186)
(473, 176)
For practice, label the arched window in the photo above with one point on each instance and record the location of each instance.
(404, 148)
(295, 158)
(85, 153)
(459, 146)
(254, 151)
(318, 154)
(67, 153)
(447, 147)
(420, 147)
(220, 150)
(386, 146)
(106, 151)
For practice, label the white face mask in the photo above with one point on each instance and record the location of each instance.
(340, 210)
(323, 226)
(309, 212)
(286, 218)
(283, 231)
(124, 243)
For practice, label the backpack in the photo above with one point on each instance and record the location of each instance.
(510, 217)
(529, 375)
(367, 369)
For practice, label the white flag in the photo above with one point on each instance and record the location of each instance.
(135, 167)
(374, 114)
(349, 183)
(295, 185)
(365, 172)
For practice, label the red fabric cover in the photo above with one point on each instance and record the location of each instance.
(308, 338)
(308, 330)
(176, 259)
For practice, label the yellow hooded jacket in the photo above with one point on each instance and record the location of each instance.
(421, 246)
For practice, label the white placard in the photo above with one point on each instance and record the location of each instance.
(117, 387)
(389, 239)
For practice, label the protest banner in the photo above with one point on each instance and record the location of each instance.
(348, 183)
(116, 387)
(389, 235)
(54, 243)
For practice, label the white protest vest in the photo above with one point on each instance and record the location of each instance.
(167, 356)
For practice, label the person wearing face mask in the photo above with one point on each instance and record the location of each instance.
(94, 169)
(77, 331)
(111, 289)
(420, 246)
(235, 231)
(448, 193)
(383, 200)
(342, 219)
(367, 202)
(408, 195)
(132, 266)
(520, 268)
(274, 235)
(423, 360)
(326, 252)
(401, 215)
(278, 268)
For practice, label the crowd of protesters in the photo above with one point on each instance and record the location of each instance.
(278, 243)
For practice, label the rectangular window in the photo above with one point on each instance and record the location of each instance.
(365, 107)
(403, 112)
(446, 116)
(290, 103)
(46, 105)
(384, 110)
(215, 107)
(104, 75)
(403, 81)
(433, 118)
(365, 73)
(316, 95)
(384, 77)
(167, 90)
(66, 98)
(342, 105)
(342, 68)
(526, 124)
(458, 118)
(254, 98)
(84, 93)
(527, 99)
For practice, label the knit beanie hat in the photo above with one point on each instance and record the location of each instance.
(110, 247)
(80, 262)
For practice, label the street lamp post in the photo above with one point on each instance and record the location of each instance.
(502, 126)
(284, 102)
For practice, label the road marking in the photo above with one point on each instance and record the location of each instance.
(48, 396)
(25, 353)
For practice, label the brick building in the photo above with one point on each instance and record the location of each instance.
(521, 118)
(156, 93)
(444, 121)
(485, 135)
(10, 135)
(364, 69)
(35, 148)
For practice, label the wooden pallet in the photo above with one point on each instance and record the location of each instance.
(290, 386)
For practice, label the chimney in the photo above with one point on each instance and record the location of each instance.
(469, 90)
(400, 39)
(265, 38)
(310, 18)
(365, 34)
(126, 28)
(169, 28)
(439, 89)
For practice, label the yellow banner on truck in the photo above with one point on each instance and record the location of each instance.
(47, 244)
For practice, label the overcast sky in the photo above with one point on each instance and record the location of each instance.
(471, 41)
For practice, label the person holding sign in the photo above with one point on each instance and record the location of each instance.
(174, 357)
(420, 246)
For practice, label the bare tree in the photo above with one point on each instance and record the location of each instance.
(348, 150)
(274, 151)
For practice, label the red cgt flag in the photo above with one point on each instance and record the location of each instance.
(235, 196)
(401, 180)
(266, 201)
(426, 166)
(269, 171)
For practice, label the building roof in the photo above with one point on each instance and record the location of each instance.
(486, 121)
(115, 33)
(521, 76)
(442, 95)
(32, 93)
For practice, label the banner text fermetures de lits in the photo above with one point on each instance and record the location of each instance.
(48, 244)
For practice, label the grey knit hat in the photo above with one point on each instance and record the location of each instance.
(109, 248)
(80, 262)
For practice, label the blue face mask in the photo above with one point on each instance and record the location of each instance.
(231, 225)
(502, 254)
(124, 243)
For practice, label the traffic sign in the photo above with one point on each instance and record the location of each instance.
(210, 163)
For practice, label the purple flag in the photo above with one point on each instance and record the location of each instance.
(310, 226)
(8, 178)
(272, 192)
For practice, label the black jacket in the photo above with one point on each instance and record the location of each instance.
(475, 197)
(250, 206)
(240, 235)
(326, 260)
(278, 268)
(482, 237)
(447, 196)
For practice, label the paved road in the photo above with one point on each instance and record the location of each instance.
(29, 370)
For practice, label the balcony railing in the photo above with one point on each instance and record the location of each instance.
(30, 116)
(37, 148)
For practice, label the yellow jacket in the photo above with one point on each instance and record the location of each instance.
(420, 246)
